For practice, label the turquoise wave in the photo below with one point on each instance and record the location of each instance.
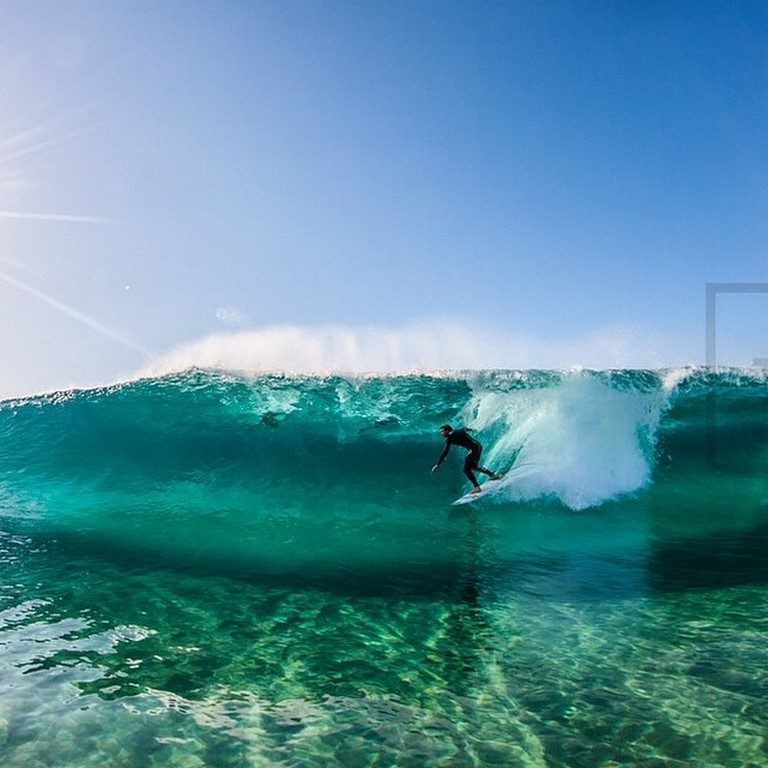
(287, 475)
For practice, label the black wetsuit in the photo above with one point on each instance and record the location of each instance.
(472, 462)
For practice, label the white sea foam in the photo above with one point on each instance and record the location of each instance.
(675, 376)
(581, 441)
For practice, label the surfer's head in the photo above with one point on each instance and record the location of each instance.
(446, 430)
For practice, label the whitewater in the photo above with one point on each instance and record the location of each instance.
(226, 569)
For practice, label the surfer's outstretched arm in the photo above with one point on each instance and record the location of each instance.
(442, 456)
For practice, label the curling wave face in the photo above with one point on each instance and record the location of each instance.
(275, 470)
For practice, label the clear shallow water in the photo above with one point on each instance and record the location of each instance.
(208, 571)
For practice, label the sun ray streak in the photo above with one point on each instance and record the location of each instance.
(43, 145)
(23, 136)
(75, 314)
(26, 131)
(18, 264)
(55, 217)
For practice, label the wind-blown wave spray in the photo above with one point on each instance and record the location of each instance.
(417, 348)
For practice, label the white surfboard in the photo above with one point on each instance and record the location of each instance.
(487, 486)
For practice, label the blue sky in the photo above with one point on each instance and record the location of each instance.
(540, 183)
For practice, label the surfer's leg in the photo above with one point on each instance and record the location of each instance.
(470, 463)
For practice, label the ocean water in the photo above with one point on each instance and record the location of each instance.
(215, 570)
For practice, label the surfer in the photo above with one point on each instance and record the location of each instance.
(472, 461)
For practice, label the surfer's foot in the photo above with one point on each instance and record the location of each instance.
(476, 489)
(495, 477)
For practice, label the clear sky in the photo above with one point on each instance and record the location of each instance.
(512, 183)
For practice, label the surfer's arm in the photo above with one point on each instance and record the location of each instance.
(441, 459)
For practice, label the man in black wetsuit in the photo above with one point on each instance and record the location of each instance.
(472, 462)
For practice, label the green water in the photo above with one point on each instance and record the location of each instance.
(170, 598)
